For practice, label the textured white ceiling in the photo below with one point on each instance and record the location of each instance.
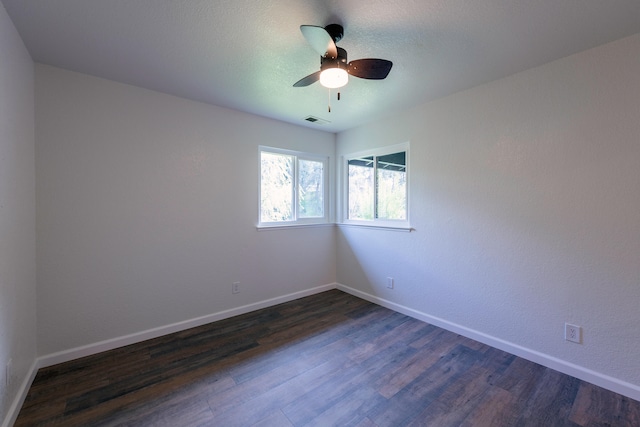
(246, 54)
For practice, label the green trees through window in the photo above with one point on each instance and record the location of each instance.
(292, 187)
(311, 188)
(276, 187)
(377, 187)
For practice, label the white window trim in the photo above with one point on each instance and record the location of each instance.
(297, 222)
(400, 225)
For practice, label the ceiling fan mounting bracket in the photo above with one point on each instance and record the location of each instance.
(335, 31)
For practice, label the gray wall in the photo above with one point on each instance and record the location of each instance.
(147, 211)
(525, 199)
(17, 213)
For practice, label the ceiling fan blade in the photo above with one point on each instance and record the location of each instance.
(320, 40)
(306, 81)
(373, 69)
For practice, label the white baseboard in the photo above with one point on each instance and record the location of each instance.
(614, 384)
(110, 344)
(14, 409)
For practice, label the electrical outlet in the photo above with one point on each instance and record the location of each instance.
(390, 282)
(235, 288)
(573, 333)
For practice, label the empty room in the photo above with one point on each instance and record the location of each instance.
(318, 213)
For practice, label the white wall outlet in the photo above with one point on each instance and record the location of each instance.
(573, 333)
(390, 282)
(235, 288)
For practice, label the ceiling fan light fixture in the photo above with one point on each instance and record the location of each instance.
(334, 78)
(334, 69)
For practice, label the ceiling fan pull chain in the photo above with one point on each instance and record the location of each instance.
(338, 96)
(329, 100)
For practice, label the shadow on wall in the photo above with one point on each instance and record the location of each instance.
(349, 265)
(367, 257)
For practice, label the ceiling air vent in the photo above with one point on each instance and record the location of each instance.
(316, 120)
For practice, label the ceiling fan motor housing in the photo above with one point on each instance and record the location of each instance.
(339, 62)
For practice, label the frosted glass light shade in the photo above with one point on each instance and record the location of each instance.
(334, 78)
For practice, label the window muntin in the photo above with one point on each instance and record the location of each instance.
(293, 188)
(377, 187)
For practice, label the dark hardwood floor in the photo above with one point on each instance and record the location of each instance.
(329, 359)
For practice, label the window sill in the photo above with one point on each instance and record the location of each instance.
(405, 229)
(287, 226)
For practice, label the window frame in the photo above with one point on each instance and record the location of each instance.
(401, 224)
(297, 220)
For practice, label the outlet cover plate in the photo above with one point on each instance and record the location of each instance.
(573, 333)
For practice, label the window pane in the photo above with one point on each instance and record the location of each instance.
(392, 186)
(311, 189)
(361, 188)
(276, 187)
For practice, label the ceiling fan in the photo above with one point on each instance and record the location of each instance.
(334, 70)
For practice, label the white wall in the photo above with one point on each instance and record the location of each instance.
(147, 211)
(17, 212)
(525, 199)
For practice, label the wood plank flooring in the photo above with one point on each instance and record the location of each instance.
(326, 360)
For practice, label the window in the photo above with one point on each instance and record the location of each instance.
(293, 188)
(377, 187)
